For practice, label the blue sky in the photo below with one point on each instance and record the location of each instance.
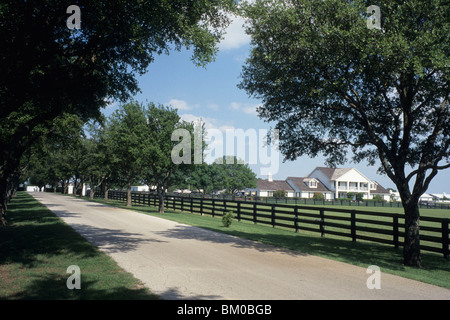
(212, 94)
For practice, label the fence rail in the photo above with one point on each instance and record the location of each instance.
(324, 202)
(379, 227)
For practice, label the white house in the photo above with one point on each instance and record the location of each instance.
(140, 188)
(442, 197)
(333, 183)
(426, 197)
(266, 188)
(306, 187)
(341, 181)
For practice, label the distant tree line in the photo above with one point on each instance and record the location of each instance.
(50, 72)
(132, 146)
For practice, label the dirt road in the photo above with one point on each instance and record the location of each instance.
(178, 261)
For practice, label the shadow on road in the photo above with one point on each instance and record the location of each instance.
(195, 233)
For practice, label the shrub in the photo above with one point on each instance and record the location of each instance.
(279, 194)
(227, 218)
(359, 196)
(318, 196)
(378, 198)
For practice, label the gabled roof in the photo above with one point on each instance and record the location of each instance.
(303, 184)
(333, 173)
(379, 189)
(273, 185)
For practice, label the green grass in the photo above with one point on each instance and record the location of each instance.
(37, 247)
(436, 269)
(373, 226)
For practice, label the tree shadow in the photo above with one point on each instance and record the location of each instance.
(53, 286)
(112, 240)
(235, 240)
(301, 244)
(175, 294)
(34, 230)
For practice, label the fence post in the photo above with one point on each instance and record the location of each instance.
(445, 241)
(322, 221)
(213, 206)
(296, 219)
(239, 211)
(273, 215)
(353, 225)
(254, 212)
(395, 231)
(201, 205)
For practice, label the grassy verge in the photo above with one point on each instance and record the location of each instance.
(436, 269)
(37, 247)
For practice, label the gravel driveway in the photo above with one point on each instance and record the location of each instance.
(178, 261)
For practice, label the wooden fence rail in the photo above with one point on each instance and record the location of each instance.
(380, 227)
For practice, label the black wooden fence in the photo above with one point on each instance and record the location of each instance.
(380, 227)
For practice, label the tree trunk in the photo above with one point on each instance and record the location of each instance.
(411, 248)
(105, 192)
(161, 199)
(3, 207)
(92, 194)
(129, 193)
(9, 182)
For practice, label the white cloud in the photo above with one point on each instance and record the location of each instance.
(235, 105)
(245, 107)
(179, 104)
(110, 104)
(210, 123)
(213, 106)
(251, 110)
(235, 36)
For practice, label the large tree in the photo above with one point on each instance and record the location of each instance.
(99, 160)
(126, 137)
(48, 68)
(335, 85)
(160, 170)
(206, 178)
(234, 174)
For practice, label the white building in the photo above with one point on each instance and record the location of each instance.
(341, 181)
(266, 188)
(426, 197)
(140, 188)
(307, 187)
(333, 183)
(441, 197)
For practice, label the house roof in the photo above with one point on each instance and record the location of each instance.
(379, 188)
(303, 184)
(273, 185)
(333, 173)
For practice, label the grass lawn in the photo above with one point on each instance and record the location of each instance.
(436, 269)
(37, 247)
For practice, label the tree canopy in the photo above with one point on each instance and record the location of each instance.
(336, 87)
(49, 69)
